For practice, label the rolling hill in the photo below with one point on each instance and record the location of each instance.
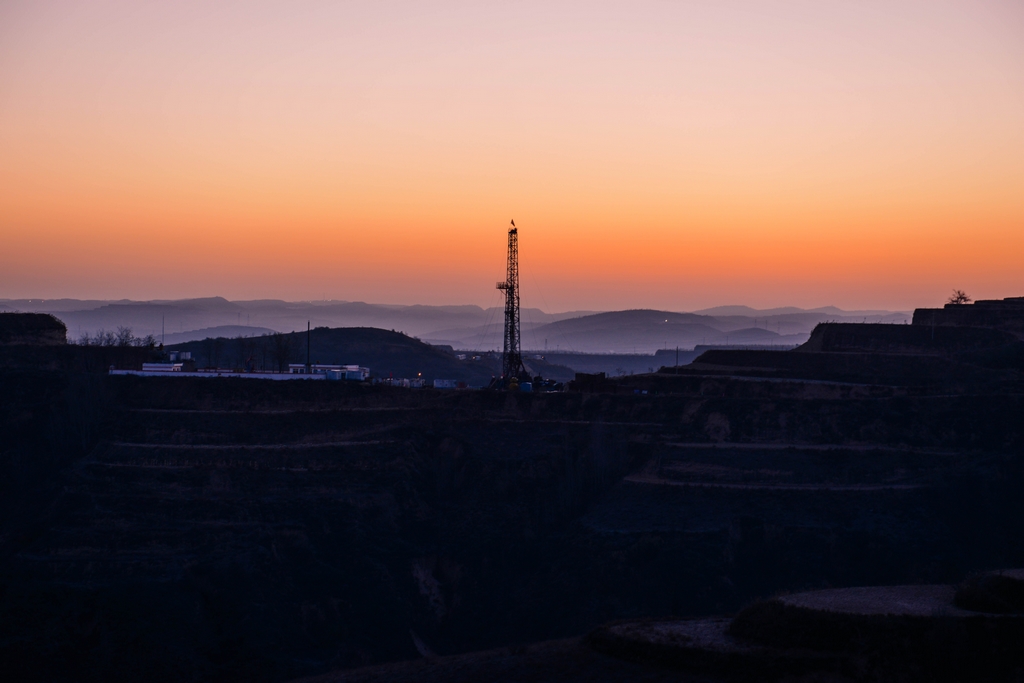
(386, 353)
(645, 331)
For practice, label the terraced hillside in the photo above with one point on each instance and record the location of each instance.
(198, 529)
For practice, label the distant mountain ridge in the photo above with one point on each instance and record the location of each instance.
(646, 331)
(460, 326)
(748, 311)
(228, 331)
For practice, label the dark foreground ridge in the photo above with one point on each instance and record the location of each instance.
(208, 530)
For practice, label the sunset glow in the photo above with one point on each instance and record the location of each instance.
(670, 155)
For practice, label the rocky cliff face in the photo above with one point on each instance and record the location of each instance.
(36, 329)
(917, 339)
(1000, 314)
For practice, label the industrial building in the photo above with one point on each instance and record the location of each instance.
(353, 372)
(296, 371)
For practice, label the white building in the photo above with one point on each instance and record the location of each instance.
(162, 367)
(332, 371)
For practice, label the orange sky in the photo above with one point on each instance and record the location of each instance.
(666, 154)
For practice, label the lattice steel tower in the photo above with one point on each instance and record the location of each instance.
(511, 357)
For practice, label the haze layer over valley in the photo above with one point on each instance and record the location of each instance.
(467, 327)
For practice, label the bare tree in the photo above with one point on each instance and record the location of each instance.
(282, 351)
(215, 346)
(247, 349)
(124, 336)
(959, 297)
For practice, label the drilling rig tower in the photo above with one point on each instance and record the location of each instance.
(511, 357)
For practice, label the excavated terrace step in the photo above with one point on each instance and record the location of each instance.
(914, 628)
(999, 592)
(704, 646)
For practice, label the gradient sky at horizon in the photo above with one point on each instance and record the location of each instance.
(675, 155)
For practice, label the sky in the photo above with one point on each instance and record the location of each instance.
(673, 155)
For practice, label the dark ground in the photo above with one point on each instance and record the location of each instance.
(548, 662)
(207, 530)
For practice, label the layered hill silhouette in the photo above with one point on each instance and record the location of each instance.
(228, 331)
(192, 317)
(648, 330)
(461, 327)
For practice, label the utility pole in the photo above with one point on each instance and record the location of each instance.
(309, 368)
(511, 357)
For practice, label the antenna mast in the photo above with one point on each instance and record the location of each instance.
(511, 357)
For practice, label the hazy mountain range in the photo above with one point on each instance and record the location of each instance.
(462, 327)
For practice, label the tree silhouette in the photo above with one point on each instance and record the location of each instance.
(959, 297)
(281, 351)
